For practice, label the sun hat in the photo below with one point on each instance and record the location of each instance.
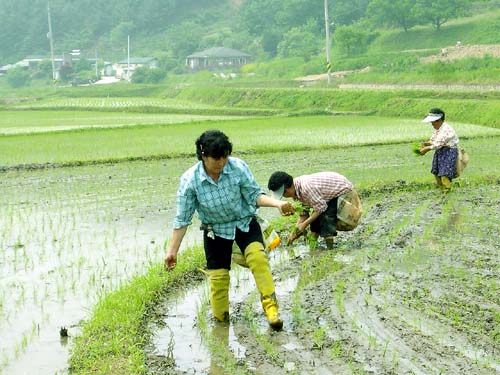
(278, 193)
(434, 115)
(278, 182)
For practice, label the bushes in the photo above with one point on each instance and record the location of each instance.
(147, 75)
(18, 77)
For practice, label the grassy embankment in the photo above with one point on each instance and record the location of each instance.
(113, 340)
(481, 108)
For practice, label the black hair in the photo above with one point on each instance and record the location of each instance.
(213, 143)
(279, 179)
(438, 111)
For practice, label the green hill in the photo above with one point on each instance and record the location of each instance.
(285, 37)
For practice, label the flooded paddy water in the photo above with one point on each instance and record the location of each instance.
(414, 289)
(68, 237)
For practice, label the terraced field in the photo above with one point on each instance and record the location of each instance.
(414, 289)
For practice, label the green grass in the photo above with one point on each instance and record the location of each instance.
(112, 341)
(248, 136)
(469, 71)
(15, 122)
(145, 105)
(477, 29)
(477, 107)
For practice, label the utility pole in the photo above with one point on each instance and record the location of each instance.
(51, 44)
(327, 30)
(96, 74)
(128, 57)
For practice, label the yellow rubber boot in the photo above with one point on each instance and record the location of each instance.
(219, 293)
(270, 306)
(438, 181)
(256, 259)
(446, 182)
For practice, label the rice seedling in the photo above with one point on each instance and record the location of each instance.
(416, 149)
(339, 297)
(319, 338)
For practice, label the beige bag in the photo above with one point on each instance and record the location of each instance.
(462, 160)
(349, 211)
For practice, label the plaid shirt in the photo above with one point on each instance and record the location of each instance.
(316, 190)
(445, 136)
(225, 205)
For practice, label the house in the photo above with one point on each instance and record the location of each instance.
(125, 69)
(4, 69)
(31, 62)
(217, 58)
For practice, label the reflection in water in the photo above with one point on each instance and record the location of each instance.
(179, 338)
(68, 236)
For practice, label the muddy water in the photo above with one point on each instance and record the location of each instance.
(177, 345)
(68, 236)
(418, 284)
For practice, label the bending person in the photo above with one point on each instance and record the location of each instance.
(319, 191)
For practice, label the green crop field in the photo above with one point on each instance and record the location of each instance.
(15, 122)
(96, 222)
(89, 176)
(170, 140)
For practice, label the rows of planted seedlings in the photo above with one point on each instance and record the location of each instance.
(413, 289)
(107, 102)
(70, 236)
(248, 136)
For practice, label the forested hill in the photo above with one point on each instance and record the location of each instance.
(99, 25)
(172, 29)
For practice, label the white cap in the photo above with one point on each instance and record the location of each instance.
(278, 193)
(432, 117)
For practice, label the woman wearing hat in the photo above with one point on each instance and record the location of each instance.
(444, 141)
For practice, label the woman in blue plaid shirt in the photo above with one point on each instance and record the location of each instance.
(226, 196)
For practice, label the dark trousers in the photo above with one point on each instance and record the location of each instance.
(218, 250)
(326, 223)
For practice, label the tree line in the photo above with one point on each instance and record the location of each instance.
(172, 29)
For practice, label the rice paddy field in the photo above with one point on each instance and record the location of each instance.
(86, 204)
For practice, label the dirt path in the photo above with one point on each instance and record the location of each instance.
(446, 54)
(413, 290)
(459, 51)
(387, 86)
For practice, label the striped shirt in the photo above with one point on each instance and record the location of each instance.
(226, 205)
(445, 136)
(316, 190)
